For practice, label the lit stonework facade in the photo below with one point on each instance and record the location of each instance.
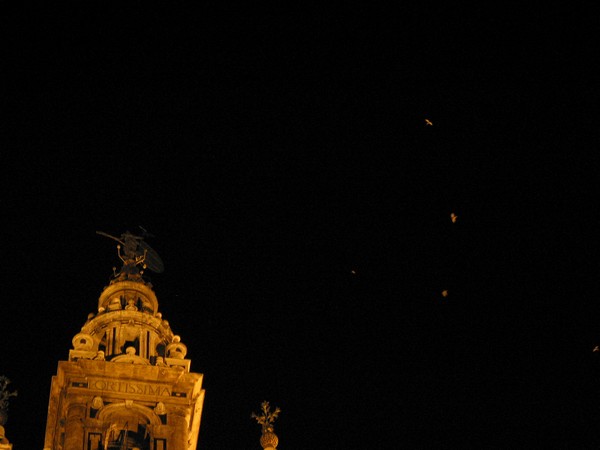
(4, 443)
(127, 384)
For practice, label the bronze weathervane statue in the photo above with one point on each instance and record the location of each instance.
(134, 252)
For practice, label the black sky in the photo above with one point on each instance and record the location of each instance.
(301, 205)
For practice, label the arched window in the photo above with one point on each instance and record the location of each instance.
(127, 437)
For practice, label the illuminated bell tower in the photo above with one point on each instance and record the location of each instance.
(127, 384)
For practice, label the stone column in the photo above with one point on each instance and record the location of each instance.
(179, 435)
(74, 431)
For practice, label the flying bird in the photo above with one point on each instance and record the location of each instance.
(596, 349)
(453, 217)
(428, 122)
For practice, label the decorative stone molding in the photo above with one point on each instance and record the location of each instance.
(83, 341)
(176, 350)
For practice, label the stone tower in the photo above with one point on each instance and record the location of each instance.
(127, 384)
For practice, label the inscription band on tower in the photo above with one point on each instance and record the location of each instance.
(126, 387)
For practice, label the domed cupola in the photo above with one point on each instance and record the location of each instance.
(128, 327)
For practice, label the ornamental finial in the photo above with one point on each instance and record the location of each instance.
(269, 439)
(5, 394)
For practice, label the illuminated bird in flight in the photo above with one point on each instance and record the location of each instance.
(596, 349)
(428, 122)
(453, 217)
(444, 293)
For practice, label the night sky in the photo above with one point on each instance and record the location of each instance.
(297, 170)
